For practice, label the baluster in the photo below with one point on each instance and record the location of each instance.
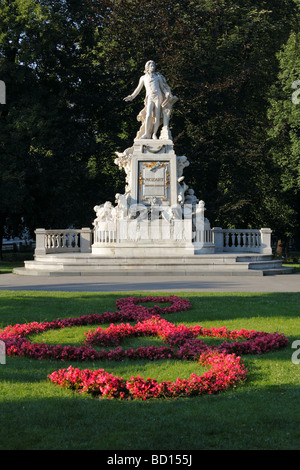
(244, 239)
(251, 239)
(226, 238)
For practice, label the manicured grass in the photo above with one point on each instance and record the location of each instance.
(292, 265)
(263, 413)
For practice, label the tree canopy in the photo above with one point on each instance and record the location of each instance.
(284, 131)
(68, 65)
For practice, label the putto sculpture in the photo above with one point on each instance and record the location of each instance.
(159, 102)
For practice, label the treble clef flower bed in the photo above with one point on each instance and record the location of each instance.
(226, 369)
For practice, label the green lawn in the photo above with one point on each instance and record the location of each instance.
(11, 260)
(262, 413)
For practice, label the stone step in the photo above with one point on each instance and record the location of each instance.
(157, 265)
(165, 260)
(282, 270)
(253, 257)
(265, 264)
(127, 272)
(146, 272)
(79, 264)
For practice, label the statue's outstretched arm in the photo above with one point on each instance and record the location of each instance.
(136, 91)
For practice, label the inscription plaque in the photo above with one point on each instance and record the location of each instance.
(154, 181)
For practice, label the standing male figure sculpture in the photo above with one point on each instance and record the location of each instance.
(158, 103)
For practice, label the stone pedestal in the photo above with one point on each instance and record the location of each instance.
(153, 173)
(158, 214)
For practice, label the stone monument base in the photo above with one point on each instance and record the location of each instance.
(204, 265)
(144, 250)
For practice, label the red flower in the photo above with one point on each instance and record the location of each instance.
(181, 342)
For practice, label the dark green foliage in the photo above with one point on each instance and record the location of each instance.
(68, 65)
(284, 115)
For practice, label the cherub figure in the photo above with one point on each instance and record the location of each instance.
(105, 213)
(158, 102)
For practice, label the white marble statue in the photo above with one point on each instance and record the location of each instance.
(200, 219)
(158, 103)
(121, 206)
(182, 187)
(182, 162)
(105, 213)
(123, 161)
(190, 197)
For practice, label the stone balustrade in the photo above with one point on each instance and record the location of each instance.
(215, 240)
(63, 241)
(242, 240)
(105, 232)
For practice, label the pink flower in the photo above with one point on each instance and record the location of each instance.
(181, 342)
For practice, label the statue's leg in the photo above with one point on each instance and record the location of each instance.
(148, 121)
(157, 121)
(166, 116)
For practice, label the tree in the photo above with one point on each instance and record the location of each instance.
(48, 140)
(220, 60)
(69, 64)
(284, 132)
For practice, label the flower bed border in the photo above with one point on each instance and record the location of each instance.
(182, 342)
(226, 370)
